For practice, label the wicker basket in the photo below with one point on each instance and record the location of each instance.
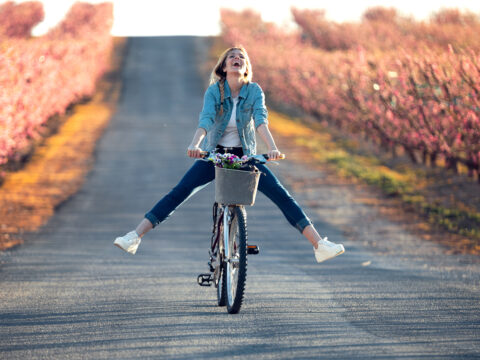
(236, 187)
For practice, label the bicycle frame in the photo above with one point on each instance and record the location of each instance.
(225, 250)
(228, 251)
(220, 230)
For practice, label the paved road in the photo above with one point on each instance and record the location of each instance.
(68, 293)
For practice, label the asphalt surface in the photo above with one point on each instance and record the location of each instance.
(68, 293)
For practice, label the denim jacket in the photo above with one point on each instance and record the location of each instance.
(251, 112)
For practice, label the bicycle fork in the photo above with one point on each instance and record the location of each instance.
(227, 219)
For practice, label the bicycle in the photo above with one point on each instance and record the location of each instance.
(229, 249)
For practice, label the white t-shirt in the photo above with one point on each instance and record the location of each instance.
(230, 137)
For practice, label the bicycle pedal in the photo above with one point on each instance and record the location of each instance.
(253, 249)
(205, 279)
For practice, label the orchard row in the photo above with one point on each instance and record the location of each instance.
(424, 99)
(43, 76)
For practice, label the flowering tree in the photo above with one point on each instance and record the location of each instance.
(42, 76)
(423, 99)
(17, 20)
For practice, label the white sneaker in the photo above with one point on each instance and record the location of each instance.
(128, 242)
(327, 250)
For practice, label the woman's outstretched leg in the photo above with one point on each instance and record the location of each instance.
(312, 235)
(144, 227)
(274, 190)
(199, 175)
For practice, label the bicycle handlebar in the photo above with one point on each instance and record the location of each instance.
(205, 154)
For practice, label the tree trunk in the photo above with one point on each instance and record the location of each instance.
(433, 160)
(394, 151)
(471, 171)
(424, 157)
(452, 164)
(411, 155)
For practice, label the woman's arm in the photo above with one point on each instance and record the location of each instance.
(267, 137)
(208, 113)
(194, 147)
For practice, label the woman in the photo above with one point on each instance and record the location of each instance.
(234, 107)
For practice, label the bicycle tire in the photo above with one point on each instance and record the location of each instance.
(236, 261)
(221, 284)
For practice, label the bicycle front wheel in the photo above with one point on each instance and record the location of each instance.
(221, 282)
(236, 259)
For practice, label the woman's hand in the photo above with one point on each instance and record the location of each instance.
(194, 149)
(194, 152)
(274, 154)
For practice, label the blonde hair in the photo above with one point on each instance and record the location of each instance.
(218, 75)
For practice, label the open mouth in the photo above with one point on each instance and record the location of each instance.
(236, 64)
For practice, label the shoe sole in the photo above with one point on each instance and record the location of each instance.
(334, 255)
(117, 245)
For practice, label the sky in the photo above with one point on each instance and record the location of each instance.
(201, 17)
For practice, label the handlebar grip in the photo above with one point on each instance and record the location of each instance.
(281, 157)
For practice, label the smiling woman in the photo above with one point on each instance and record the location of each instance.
(233, 111)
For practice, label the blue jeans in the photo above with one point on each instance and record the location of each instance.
(203, 172)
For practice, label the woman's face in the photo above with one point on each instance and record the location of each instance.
(235, 62)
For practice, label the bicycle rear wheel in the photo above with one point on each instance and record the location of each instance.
(235, 268)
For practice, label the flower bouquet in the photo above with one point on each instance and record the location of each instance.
(228, 161)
